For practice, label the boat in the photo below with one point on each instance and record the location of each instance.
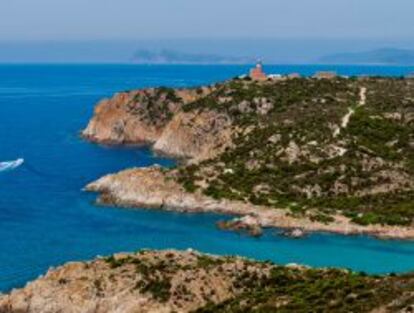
(10, 165)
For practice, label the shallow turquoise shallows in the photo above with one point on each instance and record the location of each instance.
(45, 218)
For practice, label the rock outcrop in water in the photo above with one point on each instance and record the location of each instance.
(315, 154)
(172, 281)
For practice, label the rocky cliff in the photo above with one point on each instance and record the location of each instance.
(172, 281)
(154, 116)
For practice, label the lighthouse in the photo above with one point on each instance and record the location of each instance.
(257, 72)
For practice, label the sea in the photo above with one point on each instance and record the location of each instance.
(46, 219)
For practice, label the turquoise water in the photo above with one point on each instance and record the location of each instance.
(46, 220)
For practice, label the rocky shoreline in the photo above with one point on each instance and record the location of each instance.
(153, 188)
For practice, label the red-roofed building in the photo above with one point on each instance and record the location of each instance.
(257, 72)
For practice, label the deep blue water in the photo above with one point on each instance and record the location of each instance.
(45, 218)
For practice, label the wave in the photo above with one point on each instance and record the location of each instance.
(10, 165)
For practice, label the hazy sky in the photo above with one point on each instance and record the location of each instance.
(137, 19)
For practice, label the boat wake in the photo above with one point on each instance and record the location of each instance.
(10, 165)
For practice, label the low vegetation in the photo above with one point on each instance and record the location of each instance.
(155, 276)
(263, 286)
(285, 153)
(311, 290)
(155, 105)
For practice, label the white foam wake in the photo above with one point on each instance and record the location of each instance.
(10, 165)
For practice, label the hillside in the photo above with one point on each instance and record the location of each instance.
(330, 154)
(172, 281)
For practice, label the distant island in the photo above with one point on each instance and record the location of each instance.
(387, 56)
(179, 57)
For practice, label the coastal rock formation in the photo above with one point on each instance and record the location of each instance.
(246, 224)
(315, 154)
(157, 188)
(294, 233)
(172, 281)
(115, 122)
(153, 187)
(153, 116)
(195, 135)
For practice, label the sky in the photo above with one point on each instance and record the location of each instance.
(285, 31)
(143, 19)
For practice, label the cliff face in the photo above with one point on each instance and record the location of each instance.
(154, 116)
(114, 122)
(172, 281)
(195, 135)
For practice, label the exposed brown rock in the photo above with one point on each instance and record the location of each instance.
(245, 224)
(127, 119)
(113, 123)
(195, 135)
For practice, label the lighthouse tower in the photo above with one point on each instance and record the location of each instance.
(257, 72)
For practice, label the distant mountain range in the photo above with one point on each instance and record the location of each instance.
(178, 57)
(388, 56)
(202, 51)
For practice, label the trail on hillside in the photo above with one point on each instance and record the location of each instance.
(351, 111)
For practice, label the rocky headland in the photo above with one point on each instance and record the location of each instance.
(172, 281)
(154, 116)
(332, 155)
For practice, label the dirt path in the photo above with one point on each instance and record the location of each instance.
(345, 120)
